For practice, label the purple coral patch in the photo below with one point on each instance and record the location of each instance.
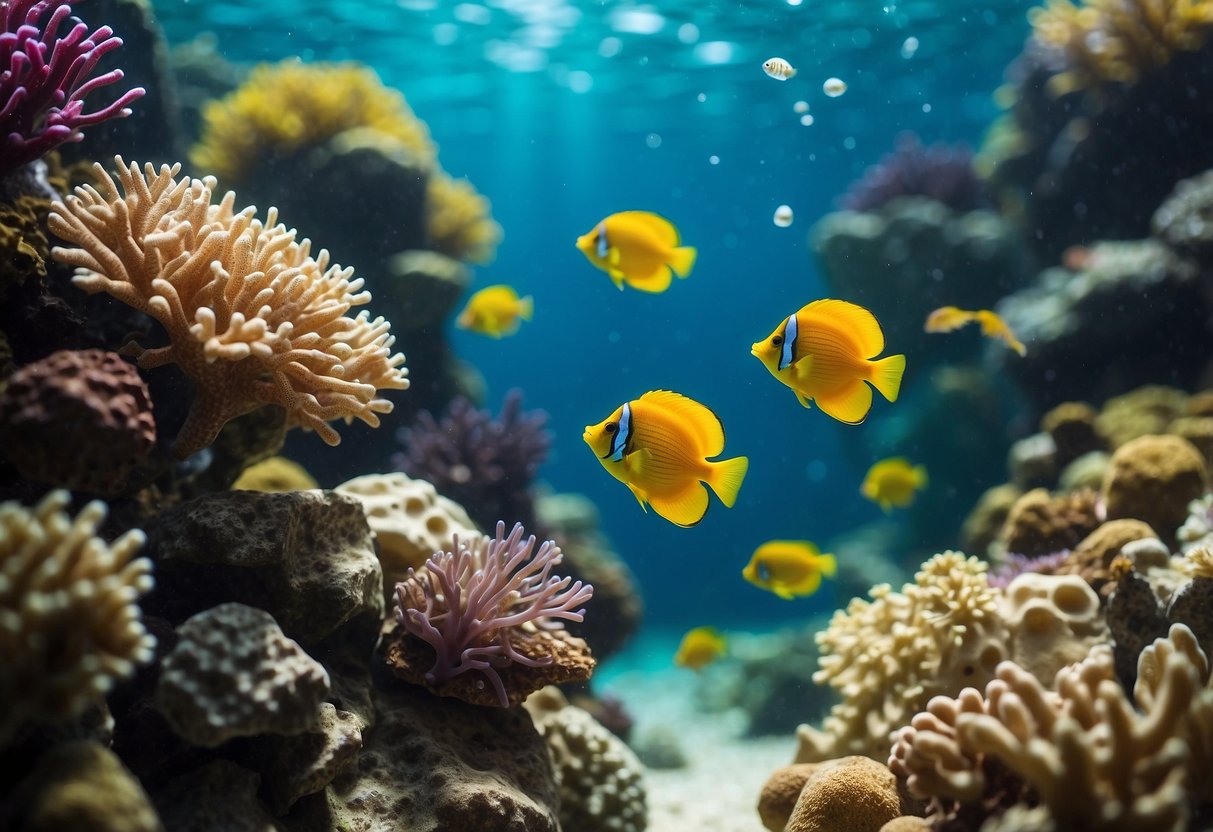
(469, 604)
(941, 172)
(45, 75)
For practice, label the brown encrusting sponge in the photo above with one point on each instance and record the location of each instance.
(105, 403)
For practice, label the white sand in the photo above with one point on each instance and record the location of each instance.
(718, 791)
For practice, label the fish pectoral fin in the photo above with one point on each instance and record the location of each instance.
(800, 397)
(616, 278)
(614, 256)
(782, 592)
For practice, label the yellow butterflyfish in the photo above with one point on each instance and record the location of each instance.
(700, 647)
(638, 248)
(948, 318)
(893, 483)
(789, 568)
(658, 446)
(826, 352)
(495, 311)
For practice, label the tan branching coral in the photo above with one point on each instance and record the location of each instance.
(1119, 40)
(1091, 759)
(253, 319)
(888, 656)
(69, 624)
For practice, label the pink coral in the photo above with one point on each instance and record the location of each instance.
(45, 77)
(471, 604)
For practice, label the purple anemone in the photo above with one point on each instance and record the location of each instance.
(940, 172)
(45, 75)
(471, 604)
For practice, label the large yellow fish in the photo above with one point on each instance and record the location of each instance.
(826, 353)
(495, 311)
(638, 248)
(700, 647)
(948, 318)
(658, 446)
(893, 483)
(789, 568)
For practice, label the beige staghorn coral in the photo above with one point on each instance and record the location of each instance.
(253, 319)
(69, 624)
(1092, 760)
(888, 656)
(1198, 562)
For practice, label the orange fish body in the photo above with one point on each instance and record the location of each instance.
(826, 352)
(658, 446)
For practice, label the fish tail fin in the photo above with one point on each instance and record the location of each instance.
(886, 375)
(526, 308)
(829, 565)
(725, 478)
(682, 260)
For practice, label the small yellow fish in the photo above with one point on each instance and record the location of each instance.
(638, 248)
(826, 352)
(495, 311)
(658, 446)
(789, 568)
(778, 68)
(893, 482)
(700, 647)
(948, 318)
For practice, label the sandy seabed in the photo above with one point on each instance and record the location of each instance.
(718, 790)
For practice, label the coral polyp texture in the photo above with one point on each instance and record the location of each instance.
(486, 465)
(105, 402)
(888, 656)
(46, 72)
(1104, 41)
(1093, 760)
(941, 172)
(69, 622)
(288, 106)
(494, 607)
(252, 318)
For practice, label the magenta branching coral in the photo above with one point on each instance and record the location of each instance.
(940, 172)
(475, 604)
(486, 465)
(45, 77)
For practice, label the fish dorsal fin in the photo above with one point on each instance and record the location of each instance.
(663, 228)
(698, 419)
(859, 322)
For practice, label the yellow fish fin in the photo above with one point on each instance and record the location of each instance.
(920, 476)
(800, 397)
(659, 225)
(810, 584)
(828, 565)
(682, 260)
(850, 404)
(685, 509)
(640, 496)
(656, 282)
(859, 322)
(526, 308)
(886, 505)
(783, 592)
(616, 278)
(698, 419)
(886, 375)
(725, 478)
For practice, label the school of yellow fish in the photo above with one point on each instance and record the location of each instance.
(662, 445)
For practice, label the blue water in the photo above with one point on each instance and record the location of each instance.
(562, 113)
